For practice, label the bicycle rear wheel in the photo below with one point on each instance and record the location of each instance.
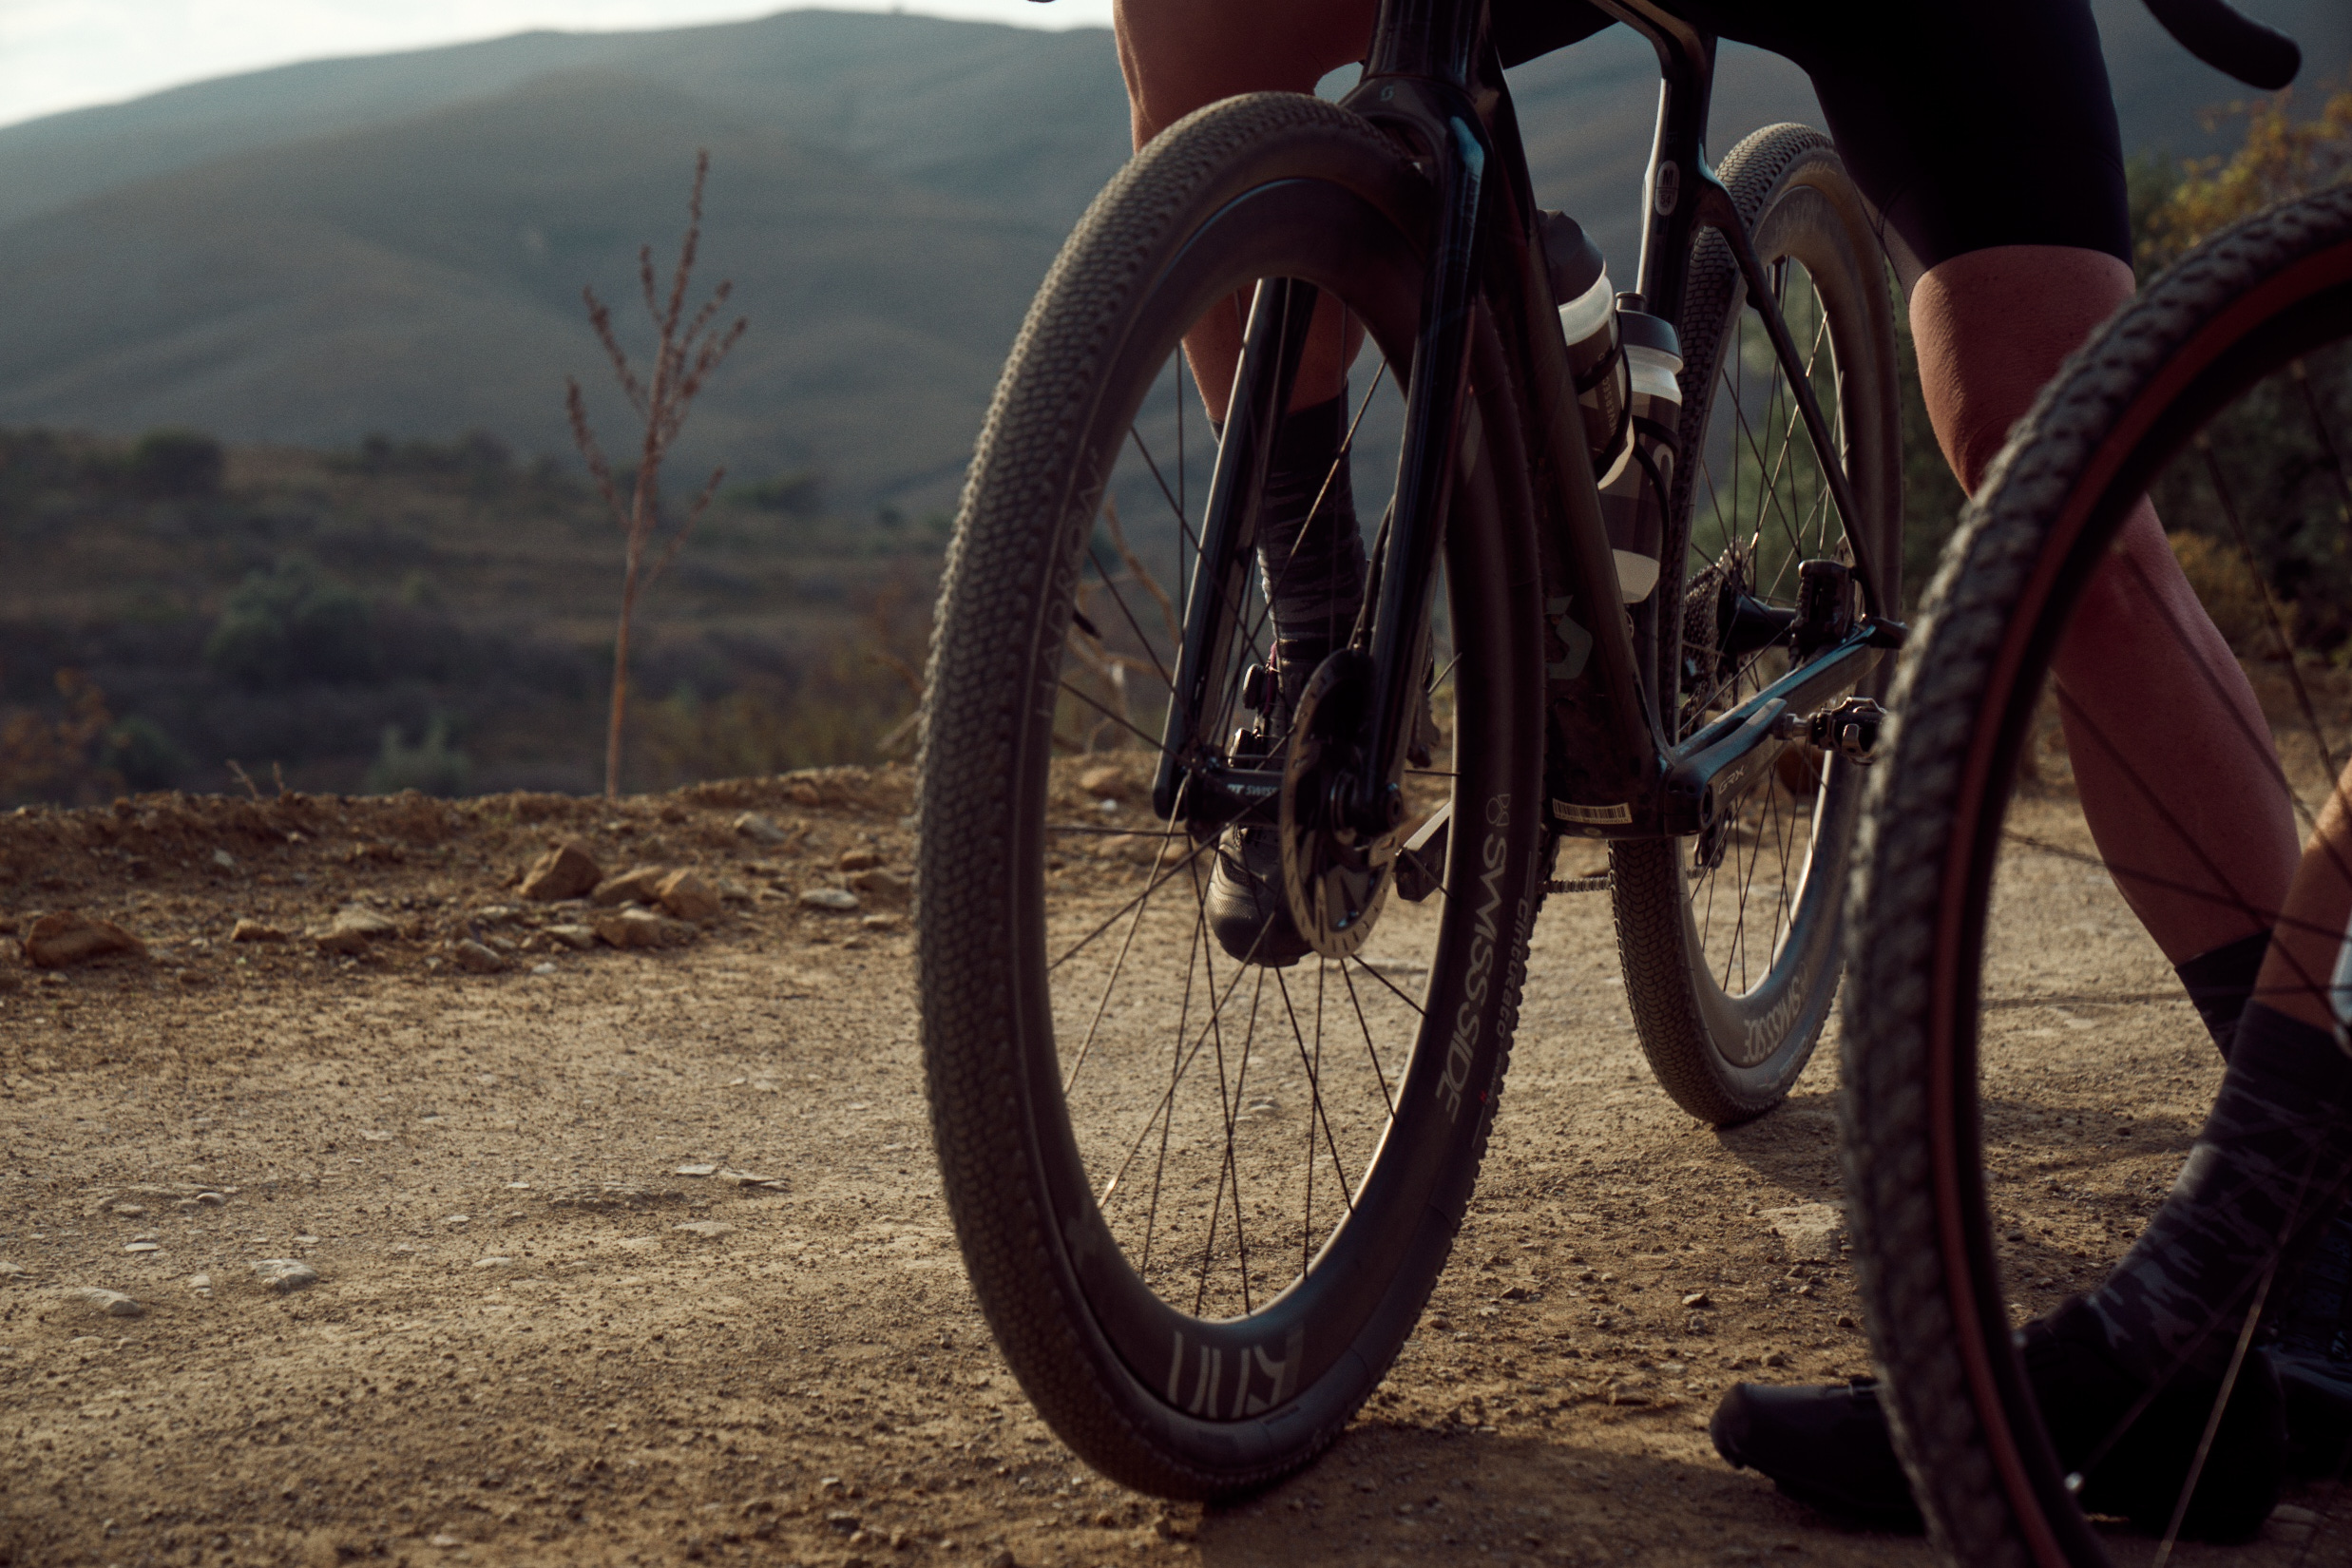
(1729, 942)
(2226, 383)
(1203, 1201)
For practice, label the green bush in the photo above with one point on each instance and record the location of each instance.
(147, 758)
(431, 766)
(178, 465)
(293, 625)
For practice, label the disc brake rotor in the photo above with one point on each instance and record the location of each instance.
(1334, 877)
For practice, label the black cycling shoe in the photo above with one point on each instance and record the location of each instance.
(1827, 1447)
(1246, 909)
(1830, 1450)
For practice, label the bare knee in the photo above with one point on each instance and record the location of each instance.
(1179, 54)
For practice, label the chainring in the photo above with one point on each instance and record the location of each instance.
(1333, 878)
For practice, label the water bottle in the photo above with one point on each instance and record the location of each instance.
(1633, 491)
(1588, 319)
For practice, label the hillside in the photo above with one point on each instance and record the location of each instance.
(396, 244)
(288, 608)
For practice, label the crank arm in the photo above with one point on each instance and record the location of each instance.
(1708, 773)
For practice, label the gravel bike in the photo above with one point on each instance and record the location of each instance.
(1202, 1200)
(2224, 393)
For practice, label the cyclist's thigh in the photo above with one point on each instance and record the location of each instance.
(1968, 124)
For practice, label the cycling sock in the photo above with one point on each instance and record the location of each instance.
(2268, 1171)
(1313, 556)
(2221, 981)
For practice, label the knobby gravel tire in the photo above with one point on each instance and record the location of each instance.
(2236, 308)
(1725, 1056)
(1041, 1261)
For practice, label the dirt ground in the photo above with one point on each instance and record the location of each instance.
(534, 1337)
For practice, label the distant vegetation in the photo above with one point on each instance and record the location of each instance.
(426, 615)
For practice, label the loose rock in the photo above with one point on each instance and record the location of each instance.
(828, 898)
(113, 1303)
(644, 928)
(635, 885)
(284, 1275)
(566, 871)
(351, 931)
(857, 860)
(688, 895)
(70, 937)
(475, 958)
(1810, 1232)
(882, 884)
(1106, 783)
(578, 937)
(708, 1229)
(758, 829)
(250, 930)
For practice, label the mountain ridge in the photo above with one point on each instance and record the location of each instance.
(396, 243)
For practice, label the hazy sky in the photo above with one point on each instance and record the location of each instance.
(61, 54)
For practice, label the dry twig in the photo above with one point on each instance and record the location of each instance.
(686, 351)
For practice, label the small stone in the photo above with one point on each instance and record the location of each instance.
(828, 898)
(211, 1200)
(68, 937)
(1001, 1558)
(226, 861)
(443, 1540)
(141, 1247)
(635, 886)
(249, 929)
(475, 958)
(707, 1229)
(284, 1275)
(758, 829)
(350, 930)
(113, 1303)
(697, 1170)
(199, 1281)
(578, 937)
(689, 895)
(492, 1262)
(1106, 783)
(129, 1211)
(1698, 1298)
(644, 928)
(857, 860)
(1810, 1232)
(566, 871)
(744, 1179)
(1775, 1358)
(882, 886)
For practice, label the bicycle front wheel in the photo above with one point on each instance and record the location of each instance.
(2225, 392)
(1729, 941)
(1201, 1199)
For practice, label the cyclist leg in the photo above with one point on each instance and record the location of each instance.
(1986, 135)
(2204, 854)
(1179, 56)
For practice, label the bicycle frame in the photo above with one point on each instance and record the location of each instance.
(1433, 82)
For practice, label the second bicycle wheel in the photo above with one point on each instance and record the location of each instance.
(2224, 394)
(1729, 941)
(1202, 1200)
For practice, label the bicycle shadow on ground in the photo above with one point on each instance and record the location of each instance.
(1390, 1496)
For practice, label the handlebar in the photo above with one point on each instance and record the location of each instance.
(2230, 41)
